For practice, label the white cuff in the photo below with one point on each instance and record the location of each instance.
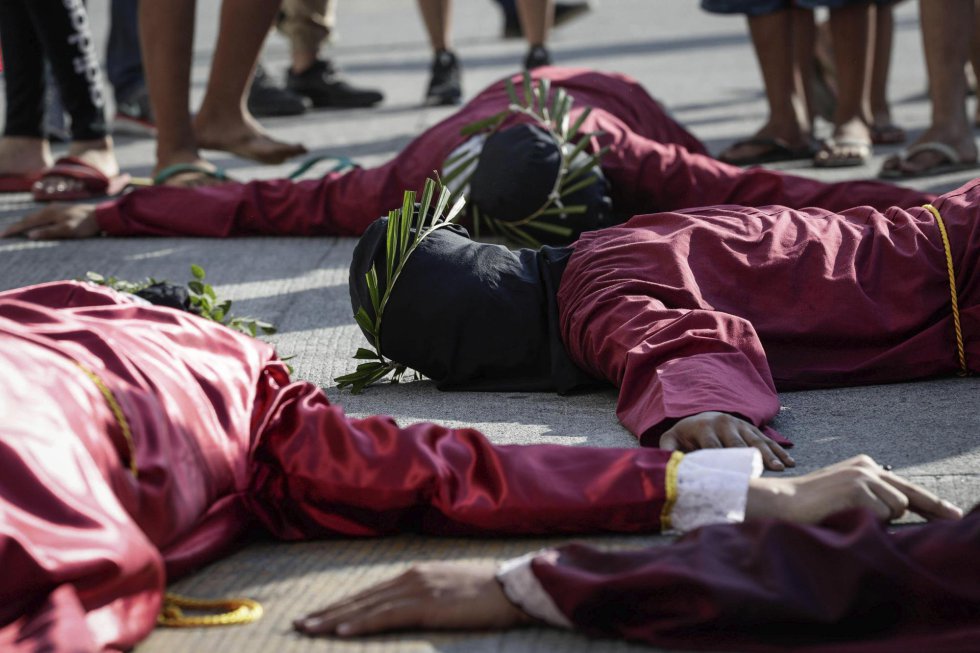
(523, 589)
(712, 487)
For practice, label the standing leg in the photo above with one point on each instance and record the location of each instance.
(536, 18)
(63, 28)
(786, 131)
(883, 130)
(23, 148)
(224, 122)
(308, 24)
(445, 85)
(946, 43)
(850, 29)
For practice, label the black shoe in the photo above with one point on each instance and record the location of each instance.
(536, 57)
(325, 88)
(267, 100)
(569, 11)
(445, 87)
(134, 115)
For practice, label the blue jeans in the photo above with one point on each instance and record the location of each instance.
(124, 60)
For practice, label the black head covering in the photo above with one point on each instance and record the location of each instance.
(516, 173)
(470, 315)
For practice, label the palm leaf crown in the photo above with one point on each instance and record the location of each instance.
(408, 227)
(551, 112)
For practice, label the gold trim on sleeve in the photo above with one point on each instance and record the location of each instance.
(670, 489)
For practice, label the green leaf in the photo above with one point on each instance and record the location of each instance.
(511, 92)
(364, 320)
(427, 192)
(390, 242)
(95, 277)
(484, 124)
(573, 132)
(196, 287)
(574, 209)
(405, 220)
(528, 94)
(209, 291)
(550, 228)
(197, 271)
(372, 283)
(218, 315)
(544, 90)
(568, 190)
(365, 354)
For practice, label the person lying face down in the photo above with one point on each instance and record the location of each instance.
(697, 316)
(650, 163)
(145, 441)
(845, 585)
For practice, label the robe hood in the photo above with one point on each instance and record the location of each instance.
(471, 315)
(516, 173)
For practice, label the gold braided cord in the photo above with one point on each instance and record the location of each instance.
(229, 612)
(960, 349)
(670, 489)
(117, 412)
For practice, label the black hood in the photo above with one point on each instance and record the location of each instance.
(516, 173)
(470, 315)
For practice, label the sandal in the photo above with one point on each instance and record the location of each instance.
(894, 166)
(94, 182)
(775, 150)
(168, 173)
(887, 134)
(842, 153)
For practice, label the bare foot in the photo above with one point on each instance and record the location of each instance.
(23, 155)
(246, 139)
(96, 153)
(187, 170)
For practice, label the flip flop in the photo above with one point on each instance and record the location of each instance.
(776, 150)
(22, 183)
(94, 182)
(838, 157)
(168, 173)
(953, 162)
(887, 134)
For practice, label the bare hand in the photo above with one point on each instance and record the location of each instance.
(57, 221)
(714, 430)
(855, 482)
(433, 596)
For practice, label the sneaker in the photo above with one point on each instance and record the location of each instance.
(445, 87)
(536, 57)
(134, 115)
(266, 99)
(322, 84)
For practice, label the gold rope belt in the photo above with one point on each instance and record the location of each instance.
(960, 349)
(230, 612)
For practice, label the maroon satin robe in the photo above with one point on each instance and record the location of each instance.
(221, 438)
(653, 165)
(717, 308)
(846, 586)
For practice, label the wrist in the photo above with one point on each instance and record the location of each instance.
(768, 498)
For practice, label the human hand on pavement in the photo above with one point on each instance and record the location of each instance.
(714, 430)
(857, 482)
(432, 596)
(56, 221)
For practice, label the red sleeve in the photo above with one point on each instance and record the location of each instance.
(844, 586)
(315, 472)
(648, 176)
(336, 205)
(668, 363)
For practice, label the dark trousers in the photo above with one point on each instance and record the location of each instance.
(124, 60)
(32, 30)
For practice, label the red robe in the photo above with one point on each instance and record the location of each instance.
(221, 437)
(844, 586)
(717, 308)
(653, 165)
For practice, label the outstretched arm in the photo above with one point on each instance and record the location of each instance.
(316, 472)
(740, 580)
(648, 177)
